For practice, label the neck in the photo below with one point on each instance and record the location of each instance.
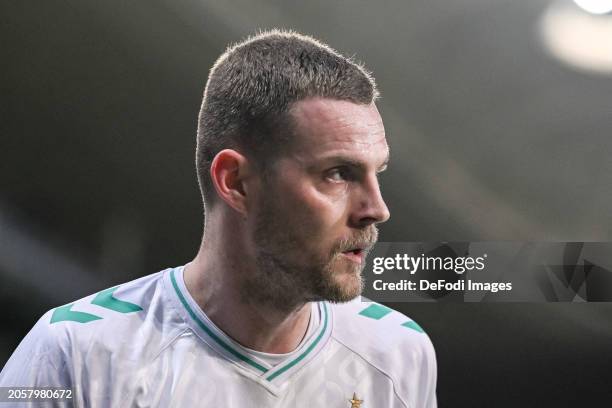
(215, 280)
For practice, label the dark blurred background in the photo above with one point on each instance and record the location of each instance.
(498, 114)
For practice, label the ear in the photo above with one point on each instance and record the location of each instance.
(229, 172)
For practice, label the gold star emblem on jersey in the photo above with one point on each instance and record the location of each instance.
(355, 402)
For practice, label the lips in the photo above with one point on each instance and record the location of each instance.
(357, 253)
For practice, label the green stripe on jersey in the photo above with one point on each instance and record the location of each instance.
(375, 311)
(106, 300)
(64, 314)
(103, 299)
(414, 326)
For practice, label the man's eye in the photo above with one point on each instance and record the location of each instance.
(338, 174)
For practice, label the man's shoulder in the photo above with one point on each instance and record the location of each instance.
(393, 344)
(134, 313)
(372, 317)
(383, 336)
(114, 329)
(123, 300)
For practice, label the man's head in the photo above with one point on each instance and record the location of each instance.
(253, 85)
(290, 140)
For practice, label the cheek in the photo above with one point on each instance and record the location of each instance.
(320, 210)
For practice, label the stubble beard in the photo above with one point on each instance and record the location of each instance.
(287, 275)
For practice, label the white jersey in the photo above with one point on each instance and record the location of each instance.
(146, 343)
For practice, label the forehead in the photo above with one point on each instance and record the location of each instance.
(328, 126)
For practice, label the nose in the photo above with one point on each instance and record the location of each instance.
(370, 207)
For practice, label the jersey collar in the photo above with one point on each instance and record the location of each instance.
(239, 355)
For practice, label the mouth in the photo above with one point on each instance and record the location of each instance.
(356, 254)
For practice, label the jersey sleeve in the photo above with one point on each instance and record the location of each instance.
(39, 360)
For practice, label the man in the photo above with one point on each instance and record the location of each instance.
(268, 313)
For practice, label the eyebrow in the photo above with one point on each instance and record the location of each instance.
(349, 161)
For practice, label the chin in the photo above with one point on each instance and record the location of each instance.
(342, 286)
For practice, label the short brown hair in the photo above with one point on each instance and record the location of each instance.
(252, 86)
